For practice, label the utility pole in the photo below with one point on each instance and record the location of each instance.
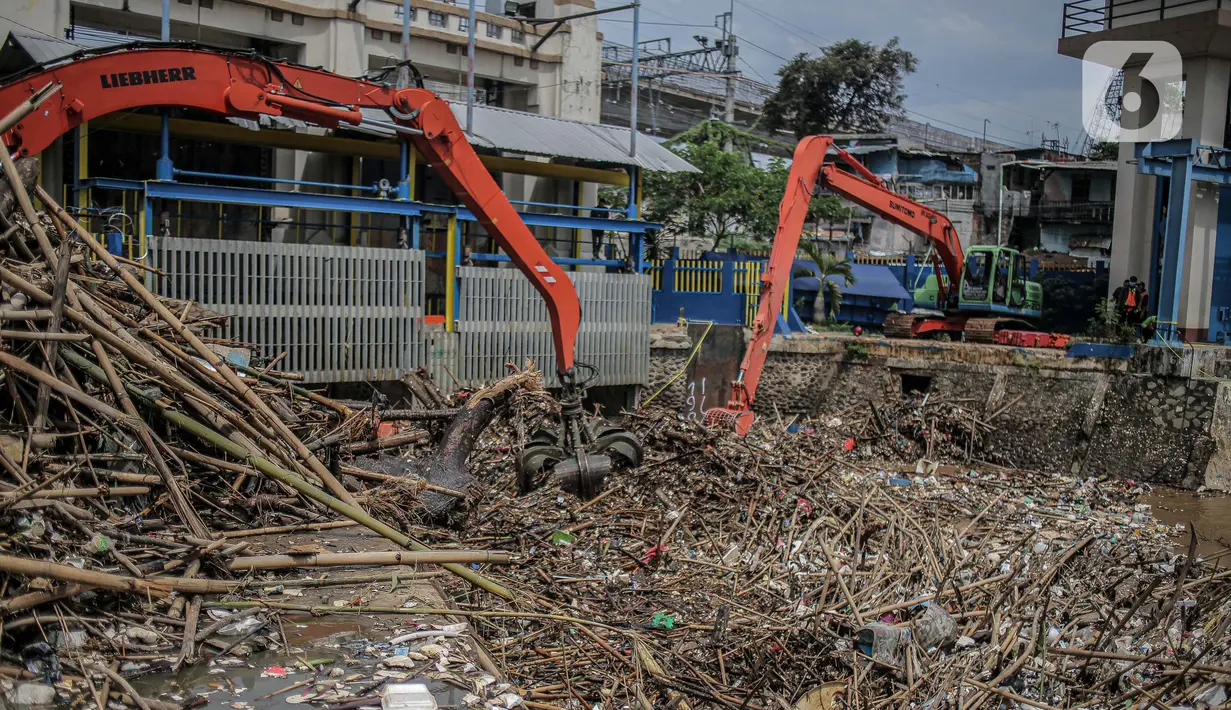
(985, 122)
(470, 71)
(165, 169)
(636, 81)
(730, 50)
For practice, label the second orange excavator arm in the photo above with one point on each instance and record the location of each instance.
(792, 211)
(809, 170)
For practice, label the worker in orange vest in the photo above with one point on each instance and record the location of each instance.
(1130, 301)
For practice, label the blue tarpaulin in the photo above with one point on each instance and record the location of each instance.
(871, 280)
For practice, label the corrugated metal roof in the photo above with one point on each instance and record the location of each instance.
(43, 49)
(521, 132)
(1074, 165)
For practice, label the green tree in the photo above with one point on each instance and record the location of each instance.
(1105, 150)
(853, 85)
(830, 293)
(730, 201)
(714, 203)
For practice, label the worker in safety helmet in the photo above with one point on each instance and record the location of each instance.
(1128, 309)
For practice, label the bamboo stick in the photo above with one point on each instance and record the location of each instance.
(154, 586)
(355, 559)
(44, 337)
(66, 391)
(30, 315)
(364, 447)
(178, 501)
(203, 350)
(280, 529)
(81, 493)
(43, 398)
(275, 472)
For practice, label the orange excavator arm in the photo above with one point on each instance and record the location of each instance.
(247, 85)
(810, 171)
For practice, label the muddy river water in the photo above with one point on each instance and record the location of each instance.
(1209, 513)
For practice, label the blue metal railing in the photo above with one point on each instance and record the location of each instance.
(1086, 16)
(283, 181)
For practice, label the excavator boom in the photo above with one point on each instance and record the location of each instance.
(88, 85)
(810, 171)
(248, 85)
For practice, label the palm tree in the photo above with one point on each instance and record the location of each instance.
(830, 294)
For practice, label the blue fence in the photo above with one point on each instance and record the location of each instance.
(724, 288)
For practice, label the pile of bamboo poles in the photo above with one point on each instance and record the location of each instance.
(137, 463)
(753, 572)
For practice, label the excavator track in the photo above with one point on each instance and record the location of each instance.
(900, 325)
(982, 330)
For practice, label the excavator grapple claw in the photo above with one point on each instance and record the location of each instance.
(578, 455)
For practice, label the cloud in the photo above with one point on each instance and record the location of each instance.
(992, 60)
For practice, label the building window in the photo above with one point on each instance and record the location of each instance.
(185, 2)
(205, 4)
(517, 36)
(376, 34)
(494, 31)
(397, 12)
(296, 19)
(395, 37)
(463, 24)
(451, 48)
(534, 64)
(275, 15)
(436, 19)
(519, 61)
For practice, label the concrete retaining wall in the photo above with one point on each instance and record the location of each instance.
(1147, 419)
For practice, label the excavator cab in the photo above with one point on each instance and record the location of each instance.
(994, 280)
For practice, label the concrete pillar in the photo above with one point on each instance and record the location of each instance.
(1205, 118)
(1131, 233)
(581, 70)
(42, 18)
(49, 17)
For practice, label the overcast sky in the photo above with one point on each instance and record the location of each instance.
(977, 59)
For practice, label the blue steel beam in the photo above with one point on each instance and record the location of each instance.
(284, 181)
(112, 184)
(537, 219)
(1184, 162)
(1173, 248)
(563, 261)
(1206, 163)
(276, 198)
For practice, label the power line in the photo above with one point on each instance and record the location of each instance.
(998, 104)
(752, 44)
(657, 24)
(15, 22)
(790, 28)
(1006, 141)
(754, 71)
(782, 24)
